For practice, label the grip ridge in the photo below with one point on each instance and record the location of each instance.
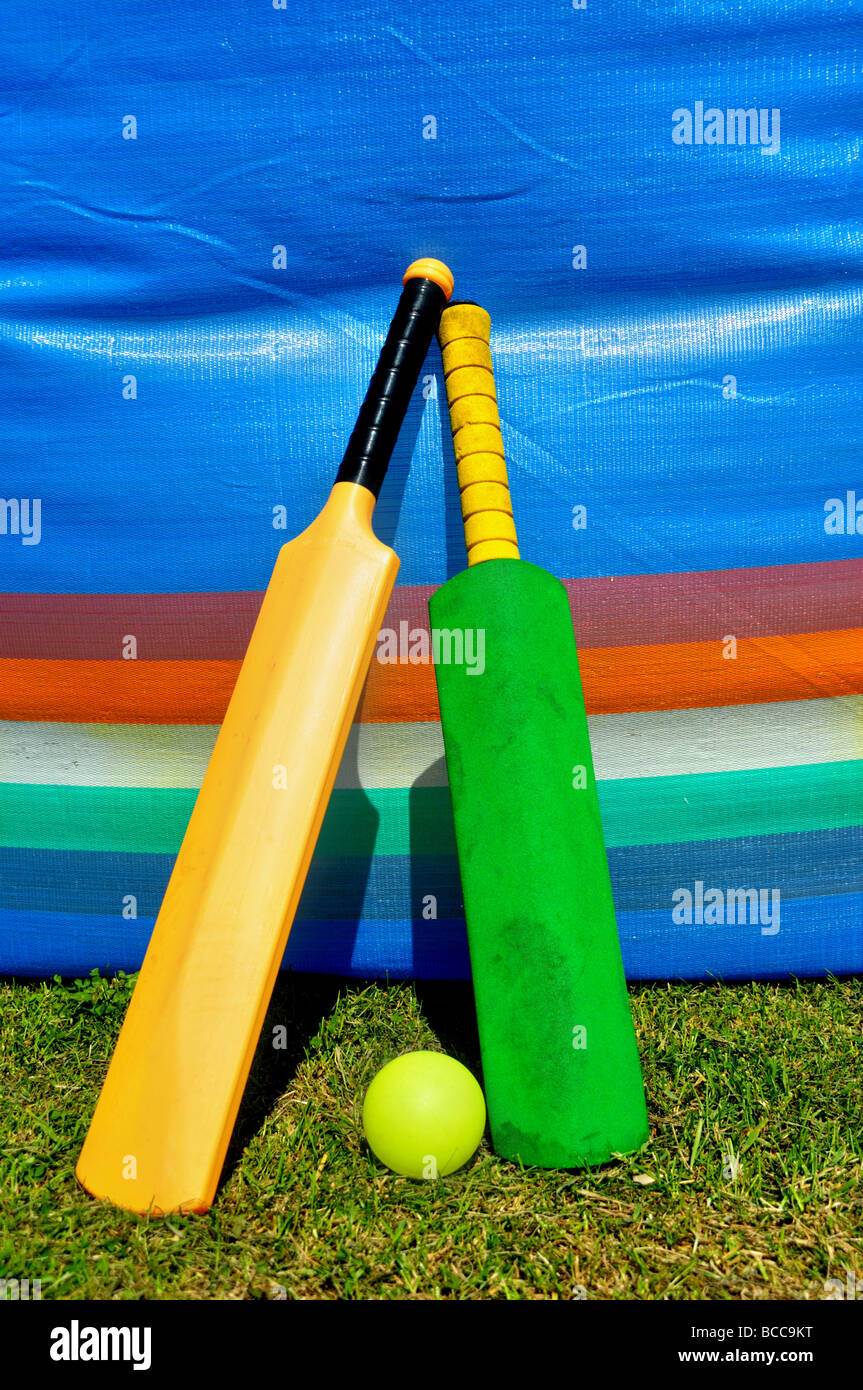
(464, 333)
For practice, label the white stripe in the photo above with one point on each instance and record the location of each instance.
(661, 743)
(105, 755)
(393, 755)
(727, 738)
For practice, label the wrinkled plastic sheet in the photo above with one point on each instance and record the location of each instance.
(189, 320)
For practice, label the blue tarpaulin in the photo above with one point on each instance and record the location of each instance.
(206, 214)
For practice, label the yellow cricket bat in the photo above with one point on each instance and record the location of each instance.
(159, 1134)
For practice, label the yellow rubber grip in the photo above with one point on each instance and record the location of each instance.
(489, 526)
(467, 381)
(485, 497)
(481, 468)
(464, 332)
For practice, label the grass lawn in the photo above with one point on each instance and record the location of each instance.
(750, 1187)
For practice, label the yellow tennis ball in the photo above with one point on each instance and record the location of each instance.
(424, 1115)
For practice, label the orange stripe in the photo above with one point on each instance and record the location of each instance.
(694, 675)
(687, 675)
(117, 692)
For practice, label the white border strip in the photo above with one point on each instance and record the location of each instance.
(662, 743)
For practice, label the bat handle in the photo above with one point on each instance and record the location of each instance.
(489, 530)
(427, 287)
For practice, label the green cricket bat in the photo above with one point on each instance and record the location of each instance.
(559, 1056)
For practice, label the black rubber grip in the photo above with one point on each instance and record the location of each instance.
(374, 435)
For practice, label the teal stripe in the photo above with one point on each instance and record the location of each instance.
(404, 820)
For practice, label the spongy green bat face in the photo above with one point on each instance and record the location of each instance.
(560, 1062)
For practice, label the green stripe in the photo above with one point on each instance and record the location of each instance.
(635, 811)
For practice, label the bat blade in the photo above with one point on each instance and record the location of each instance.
(560, 1063)
(165, 1115)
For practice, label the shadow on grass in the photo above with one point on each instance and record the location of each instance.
(448, 1007)
(299, 1005)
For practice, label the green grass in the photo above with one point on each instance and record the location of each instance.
(750, 1187)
